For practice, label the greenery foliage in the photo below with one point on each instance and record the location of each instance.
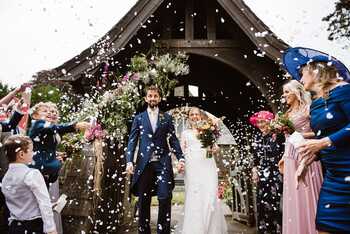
(4, 90)
(114, 109)
(45, 93)
(339, 21)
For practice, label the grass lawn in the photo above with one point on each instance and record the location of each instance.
(178, 198)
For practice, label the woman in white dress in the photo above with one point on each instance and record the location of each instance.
(203, 210)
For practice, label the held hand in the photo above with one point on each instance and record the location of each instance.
(281, 166)
(310, 159)
(130, 169)
(61, 156)
(181, 167)
(82, 126)
(215, 149)
(312, 147)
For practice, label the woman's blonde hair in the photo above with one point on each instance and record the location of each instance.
(51, 104)
(202, 114)
(299, 91)
(35, 109)
(326, 74)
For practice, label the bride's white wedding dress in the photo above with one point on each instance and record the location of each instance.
(203, 213)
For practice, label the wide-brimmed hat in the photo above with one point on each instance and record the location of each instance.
(261, 115)
(295, 58)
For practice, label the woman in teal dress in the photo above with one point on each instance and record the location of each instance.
(326, 78)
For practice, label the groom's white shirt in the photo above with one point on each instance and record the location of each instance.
(153, 117)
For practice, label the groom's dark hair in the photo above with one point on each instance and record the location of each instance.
(153, 88)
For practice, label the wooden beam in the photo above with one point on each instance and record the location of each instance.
(166, 25)
(186, 91)
(180, 43)
(189, 22)
(211, 20)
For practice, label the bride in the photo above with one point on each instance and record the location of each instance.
(203, 211)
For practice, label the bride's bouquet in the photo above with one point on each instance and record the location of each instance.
(208, 134)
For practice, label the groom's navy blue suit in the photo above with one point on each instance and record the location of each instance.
(153, 177)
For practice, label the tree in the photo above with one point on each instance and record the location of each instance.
(4, 89)
(46, 88)
(45, 93)
(339, 21)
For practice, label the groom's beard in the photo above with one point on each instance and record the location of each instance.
(152, 105)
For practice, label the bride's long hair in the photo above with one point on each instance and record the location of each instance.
(303, 97)
(202, 114)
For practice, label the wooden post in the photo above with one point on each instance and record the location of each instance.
(189, 22)
(211, 22)
(166, 26)
(95, 185)
(78, 215)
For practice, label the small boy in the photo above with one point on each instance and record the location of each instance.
(25, 191)
(45, 133)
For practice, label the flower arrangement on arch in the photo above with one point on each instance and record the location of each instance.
(113, 109)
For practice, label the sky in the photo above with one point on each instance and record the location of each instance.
(41, 34)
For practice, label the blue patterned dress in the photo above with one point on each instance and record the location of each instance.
(330, 117)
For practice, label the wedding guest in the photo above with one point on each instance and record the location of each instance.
(7, 128)
(299, 202)
(267, 151)
(45, 136)
(330, 120)
(25, 192)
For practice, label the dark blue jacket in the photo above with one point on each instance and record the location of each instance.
(11, 125)
(8, 127)
(149, 143)
(44, 136)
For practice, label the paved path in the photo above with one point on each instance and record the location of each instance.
(233, 226)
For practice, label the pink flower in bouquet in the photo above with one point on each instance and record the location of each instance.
(95, 132)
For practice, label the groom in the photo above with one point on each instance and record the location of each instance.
(153, 172)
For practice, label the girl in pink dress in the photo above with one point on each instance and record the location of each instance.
(301, 182)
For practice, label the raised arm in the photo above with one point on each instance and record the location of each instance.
(46, 127)
(12, 124)
(6, 100)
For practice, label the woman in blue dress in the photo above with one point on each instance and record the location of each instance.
(326, 78)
